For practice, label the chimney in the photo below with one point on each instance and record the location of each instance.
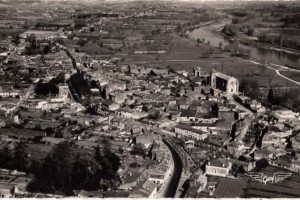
(109, 119)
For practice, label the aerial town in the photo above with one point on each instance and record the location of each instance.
(149, 99)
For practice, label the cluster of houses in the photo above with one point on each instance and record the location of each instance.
(12, 183)
(150, 179)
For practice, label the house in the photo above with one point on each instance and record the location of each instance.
(148, 190)
(255, 105)
(204, 107)
(52, 140)
(247, 165)
(264, 154)
(199, 180)
(136, 129)
(131, 177)
(8, 190)
(284, 114)
(145, 139)
(218, 167)
(116, 194)
(187, 115)
(212, 98)
(235, 148)
(118, 96)
(157, 178)
(125, 112)
(242, 99)
(226, 115)
(280, 132)
(206, 117)
(13, 94)
(273, 140)
(296, 142)
(205, 127)
(295, 165)
(183, 130)
(284, 161)
(94, 194)
(240, 114)
(21, 182)
(110, 105)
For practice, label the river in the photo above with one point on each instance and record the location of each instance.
(258, 53)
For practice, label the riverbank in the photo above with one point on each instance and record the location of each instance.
(200, 25)
(259, 44)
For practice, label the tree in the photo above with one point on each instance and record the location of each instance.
(61, 172)
(134, 165)
(250, 31)
(57, 169)
(92, 29)
(234, 168)
(250, 88)
(81, 42)
(6, 158)
(263, 69)
(109, 161)
(46, 49)
(31, 39)
(198, 41)
(86, 173)
(270, 96)
(154, 115)
(138, 149)
(21, 157)
(220, 45)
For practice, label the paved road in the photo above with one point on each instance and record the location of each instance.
(247, 121)
(278, 71)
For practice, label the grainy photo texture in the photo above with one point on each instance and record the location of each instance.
(149, 98)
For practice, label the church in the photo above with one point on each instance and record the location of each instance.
(219, 80)
(224, 82)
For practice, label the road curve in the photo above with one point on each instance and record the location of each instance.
(278, 71)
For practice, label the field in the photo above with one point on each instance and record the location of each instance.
(185, 54)
(292, 75)
(229, 188)
(20, 133)
(39, 33)
(40, 151)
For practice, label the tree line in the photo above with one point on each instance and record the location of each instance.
(60, 172)
(282, 40)
(288, 99)
(232, 29)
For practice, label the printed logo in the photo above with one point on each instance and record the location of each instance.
(278, 176)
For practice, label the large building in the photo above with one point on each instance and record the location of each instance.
(224, 82)
(218, 167)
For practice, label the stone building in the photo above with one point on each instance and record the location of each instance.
(224, 82)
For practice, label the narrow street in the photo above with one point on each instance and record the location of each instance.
(172, 183)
